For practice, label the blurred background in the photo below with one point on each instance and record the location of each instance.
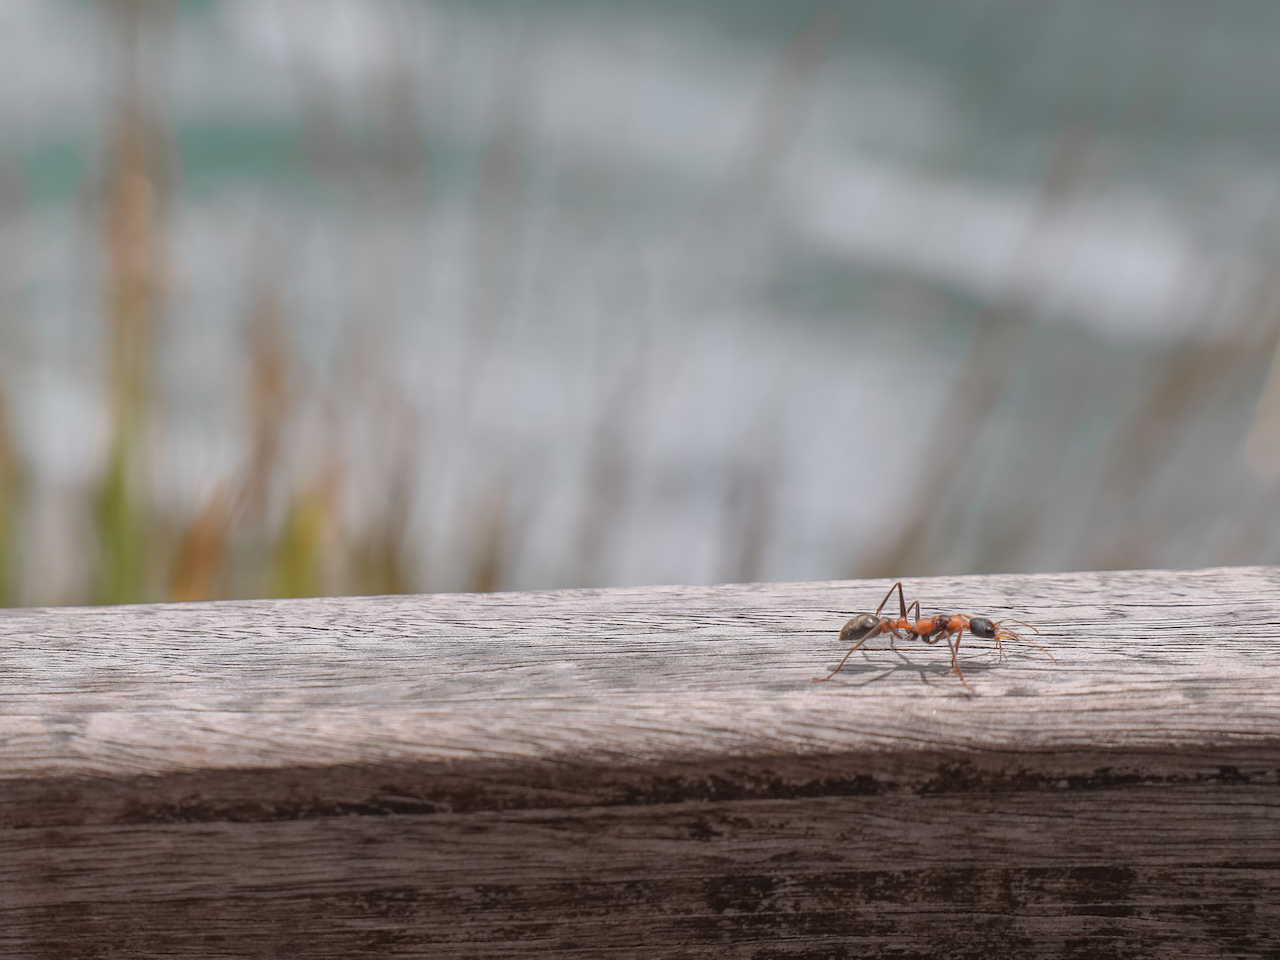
(367, 296)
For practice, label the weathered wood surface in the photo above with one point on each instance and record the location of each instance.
(646, 772)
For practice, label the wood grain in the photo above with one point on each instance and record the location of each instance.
(647, 772)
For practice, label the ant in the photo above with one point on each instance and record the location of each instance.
(929, 629)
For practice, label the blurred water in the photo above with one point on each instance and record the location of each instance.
(589, 294)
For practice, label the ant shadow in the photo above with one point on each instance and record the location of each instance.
(926, 672)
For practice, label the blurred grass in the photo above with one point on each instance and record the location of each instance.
(13, 491)
(303, 553)
(133, 276)
(999, 482)
(201, 551)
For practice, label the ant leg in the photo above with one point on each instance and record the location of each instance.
(846, 657)
(892, 630)
(999, 638)
(911, 613)
(1010, 635)
(902, 601)
(955, 658)
(934, 635)
(1020, 623)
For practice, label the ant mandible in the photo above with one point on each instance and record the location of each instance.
(929, 629)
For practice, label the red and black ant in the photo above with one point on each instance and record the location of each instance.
(929, 629)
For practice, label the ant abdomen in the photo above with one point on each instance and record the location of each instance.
(859, 628)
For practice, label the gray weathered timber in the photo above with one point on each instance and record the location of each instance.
(647, 773)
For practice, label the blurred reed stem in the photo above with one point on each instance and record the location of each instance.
(379, 559)
(200, 553)
(996, 349)
(299, 565)
(492, 533)
(133, 270)
(12, 491)
(1191, 379)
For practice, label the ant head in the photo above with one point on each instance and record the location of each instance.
(982, 627)
(859, 628)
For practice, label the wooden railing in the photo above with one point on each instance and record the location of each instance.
(647, 773)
